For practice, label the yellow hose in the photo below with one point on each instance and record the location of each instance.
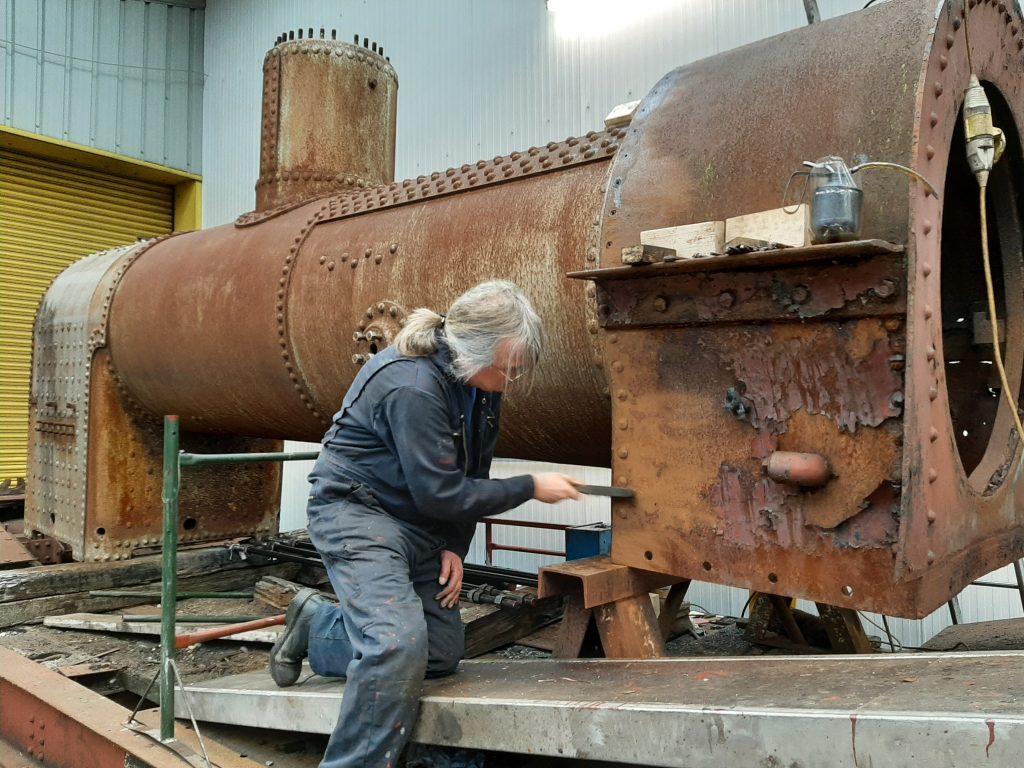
(992, 312)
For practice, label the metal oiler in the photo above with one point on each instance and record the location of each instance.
(836, 197)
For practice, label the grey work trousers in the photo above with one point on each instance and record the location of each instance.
(387, 633)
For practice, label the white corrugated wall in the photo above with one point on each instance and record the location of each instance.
(480, 78)
(124, 76)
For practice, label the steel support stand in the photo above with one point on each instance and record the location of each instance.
(172, 483)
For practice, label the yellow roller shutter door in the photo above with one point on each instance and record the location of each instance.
(51, 215)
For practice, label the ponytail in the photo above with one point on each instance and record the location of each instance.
(418, 336)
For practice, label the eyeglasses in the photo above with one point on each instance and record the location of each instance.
(513, 374)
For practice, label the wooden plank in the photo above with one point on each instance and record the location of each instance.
(487, 630)
(646, 254)
(544, 639)
(102, 622)
(688, 240)
(21, 611)
(47, 580)
(775, 225)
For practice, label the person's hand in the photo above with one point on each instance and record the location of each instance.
(550, 487)
(450, 579)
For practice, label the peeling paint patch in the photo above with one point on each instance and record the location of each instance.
(876, 525)
(818, 374)
(755, 510)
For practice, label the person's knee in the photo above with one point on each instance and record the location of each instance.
(445, 654)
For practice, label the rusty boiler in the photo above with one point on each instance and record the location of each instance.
(820, 422)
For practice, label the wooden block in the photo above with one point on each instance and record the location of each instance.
(775, 225)
(645, 254)
(688, 240)
(275, 592)
(621, 115)
(489, 627)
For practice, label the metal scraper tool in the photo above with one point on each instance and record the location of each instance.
(606, 490)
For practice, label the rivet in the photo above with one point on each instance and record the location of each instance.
(799, 294)
(931, 557)
(930, 352)
(926, 226)
(618, 366)
(612, 338)
(354, 263)
(623, 453)
(660, 304)
(393, 247)
(938, 89)
(931, 515)
(927, 312)
(943, 63)
(949, 41)
(956, 24)
(933, 434)
(622, 394)
(622, 424)
(726, 299)
(933, 393)
(622, 481)
(933, 475)
(847, 590)
(378, 258)
(885, 289)
(892, 324)
(330, 266)
(926, 269)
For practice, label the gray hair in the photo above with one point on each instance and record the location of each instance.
(475, 326)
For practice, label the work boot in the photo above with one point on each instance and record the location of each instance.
(293, 645)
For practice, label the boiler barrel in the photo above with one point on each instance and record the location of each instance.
(257, 328)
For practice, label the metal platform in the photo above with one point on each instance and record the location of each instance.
(949, 709)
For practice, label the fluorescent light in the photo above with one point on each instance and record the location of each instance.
(594, 18)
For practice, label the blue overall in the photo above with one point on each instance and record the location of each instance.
(400, 479)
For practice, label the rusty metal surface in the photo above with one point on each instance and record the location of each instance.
(12, 551)
(94, 454)
(598, 580)
(256, 329)
(328, 120)
(314, 281)
(896, 710)
(844, 359)
(62, 724)
(70, 322)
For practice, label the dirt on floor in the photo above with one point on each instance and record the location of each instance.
(133, 660)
